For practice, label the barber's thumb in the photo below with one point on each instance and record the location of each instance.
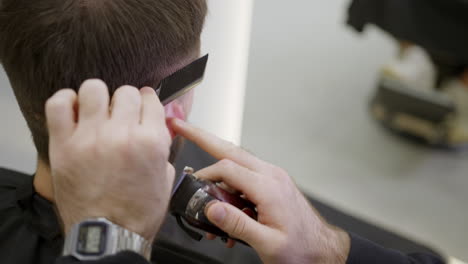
(234, 222)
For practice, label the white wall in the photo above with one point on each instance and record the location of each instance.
(16, 148)
(219, 101)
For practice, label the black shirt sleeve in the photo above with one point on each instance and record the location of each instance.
(126, 257)
(366, 252)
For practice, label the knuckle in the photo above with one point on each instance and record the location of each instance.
(53, 104)
(67, 92)
(148, 90)
(90, 86)
(155, 143)
(238, 226)
(129, 94)
(93, 83)
(127, 90)
(226, 163)
(280, 173)
(56, 102)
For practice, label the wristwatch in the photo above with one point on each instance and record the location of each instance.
(96, 238)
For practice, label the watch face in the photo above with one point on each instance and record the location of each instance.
(92, 239)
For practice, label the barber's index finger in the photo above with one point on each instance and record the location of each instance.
(218, 148)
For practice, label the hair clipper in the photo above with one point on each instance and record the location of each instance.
(190, 198)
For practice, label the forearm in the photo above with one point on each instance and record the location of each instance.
(363, 251)
(121, 258)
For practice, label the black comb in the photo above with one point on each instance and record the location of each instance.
(182, 81)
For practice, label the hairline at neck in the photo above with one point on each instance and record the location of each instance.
(43, 181)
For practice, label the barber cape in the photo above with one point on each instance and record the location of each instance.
(30, 232)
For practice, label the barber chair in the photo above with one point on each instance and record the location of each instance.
(423, 115)
(428, 116)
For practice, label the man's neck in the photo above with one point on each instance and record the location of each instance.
(43, 181)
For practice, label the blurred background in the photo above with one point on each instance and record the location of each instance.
(308, 83)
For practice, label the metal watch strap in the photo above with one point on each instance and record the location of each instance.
(128, 240)
(118, 239)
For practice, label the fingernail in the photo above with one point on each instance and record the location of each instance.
(147, 90)
(216, 212)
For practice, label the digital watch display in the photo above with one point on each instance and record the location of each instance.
(92, 239)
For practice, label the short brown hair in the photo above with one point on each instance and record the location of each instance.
(46, 45)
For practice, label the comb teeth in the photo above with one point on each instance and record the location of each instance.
(182, 80)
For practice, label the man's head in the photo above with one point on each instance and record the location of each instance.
(46, 45)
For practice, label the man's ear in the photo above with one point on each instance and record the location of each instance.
(175, 110)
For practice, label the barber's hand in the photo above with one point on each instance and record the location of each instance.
(288, 230)
(110, 162)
